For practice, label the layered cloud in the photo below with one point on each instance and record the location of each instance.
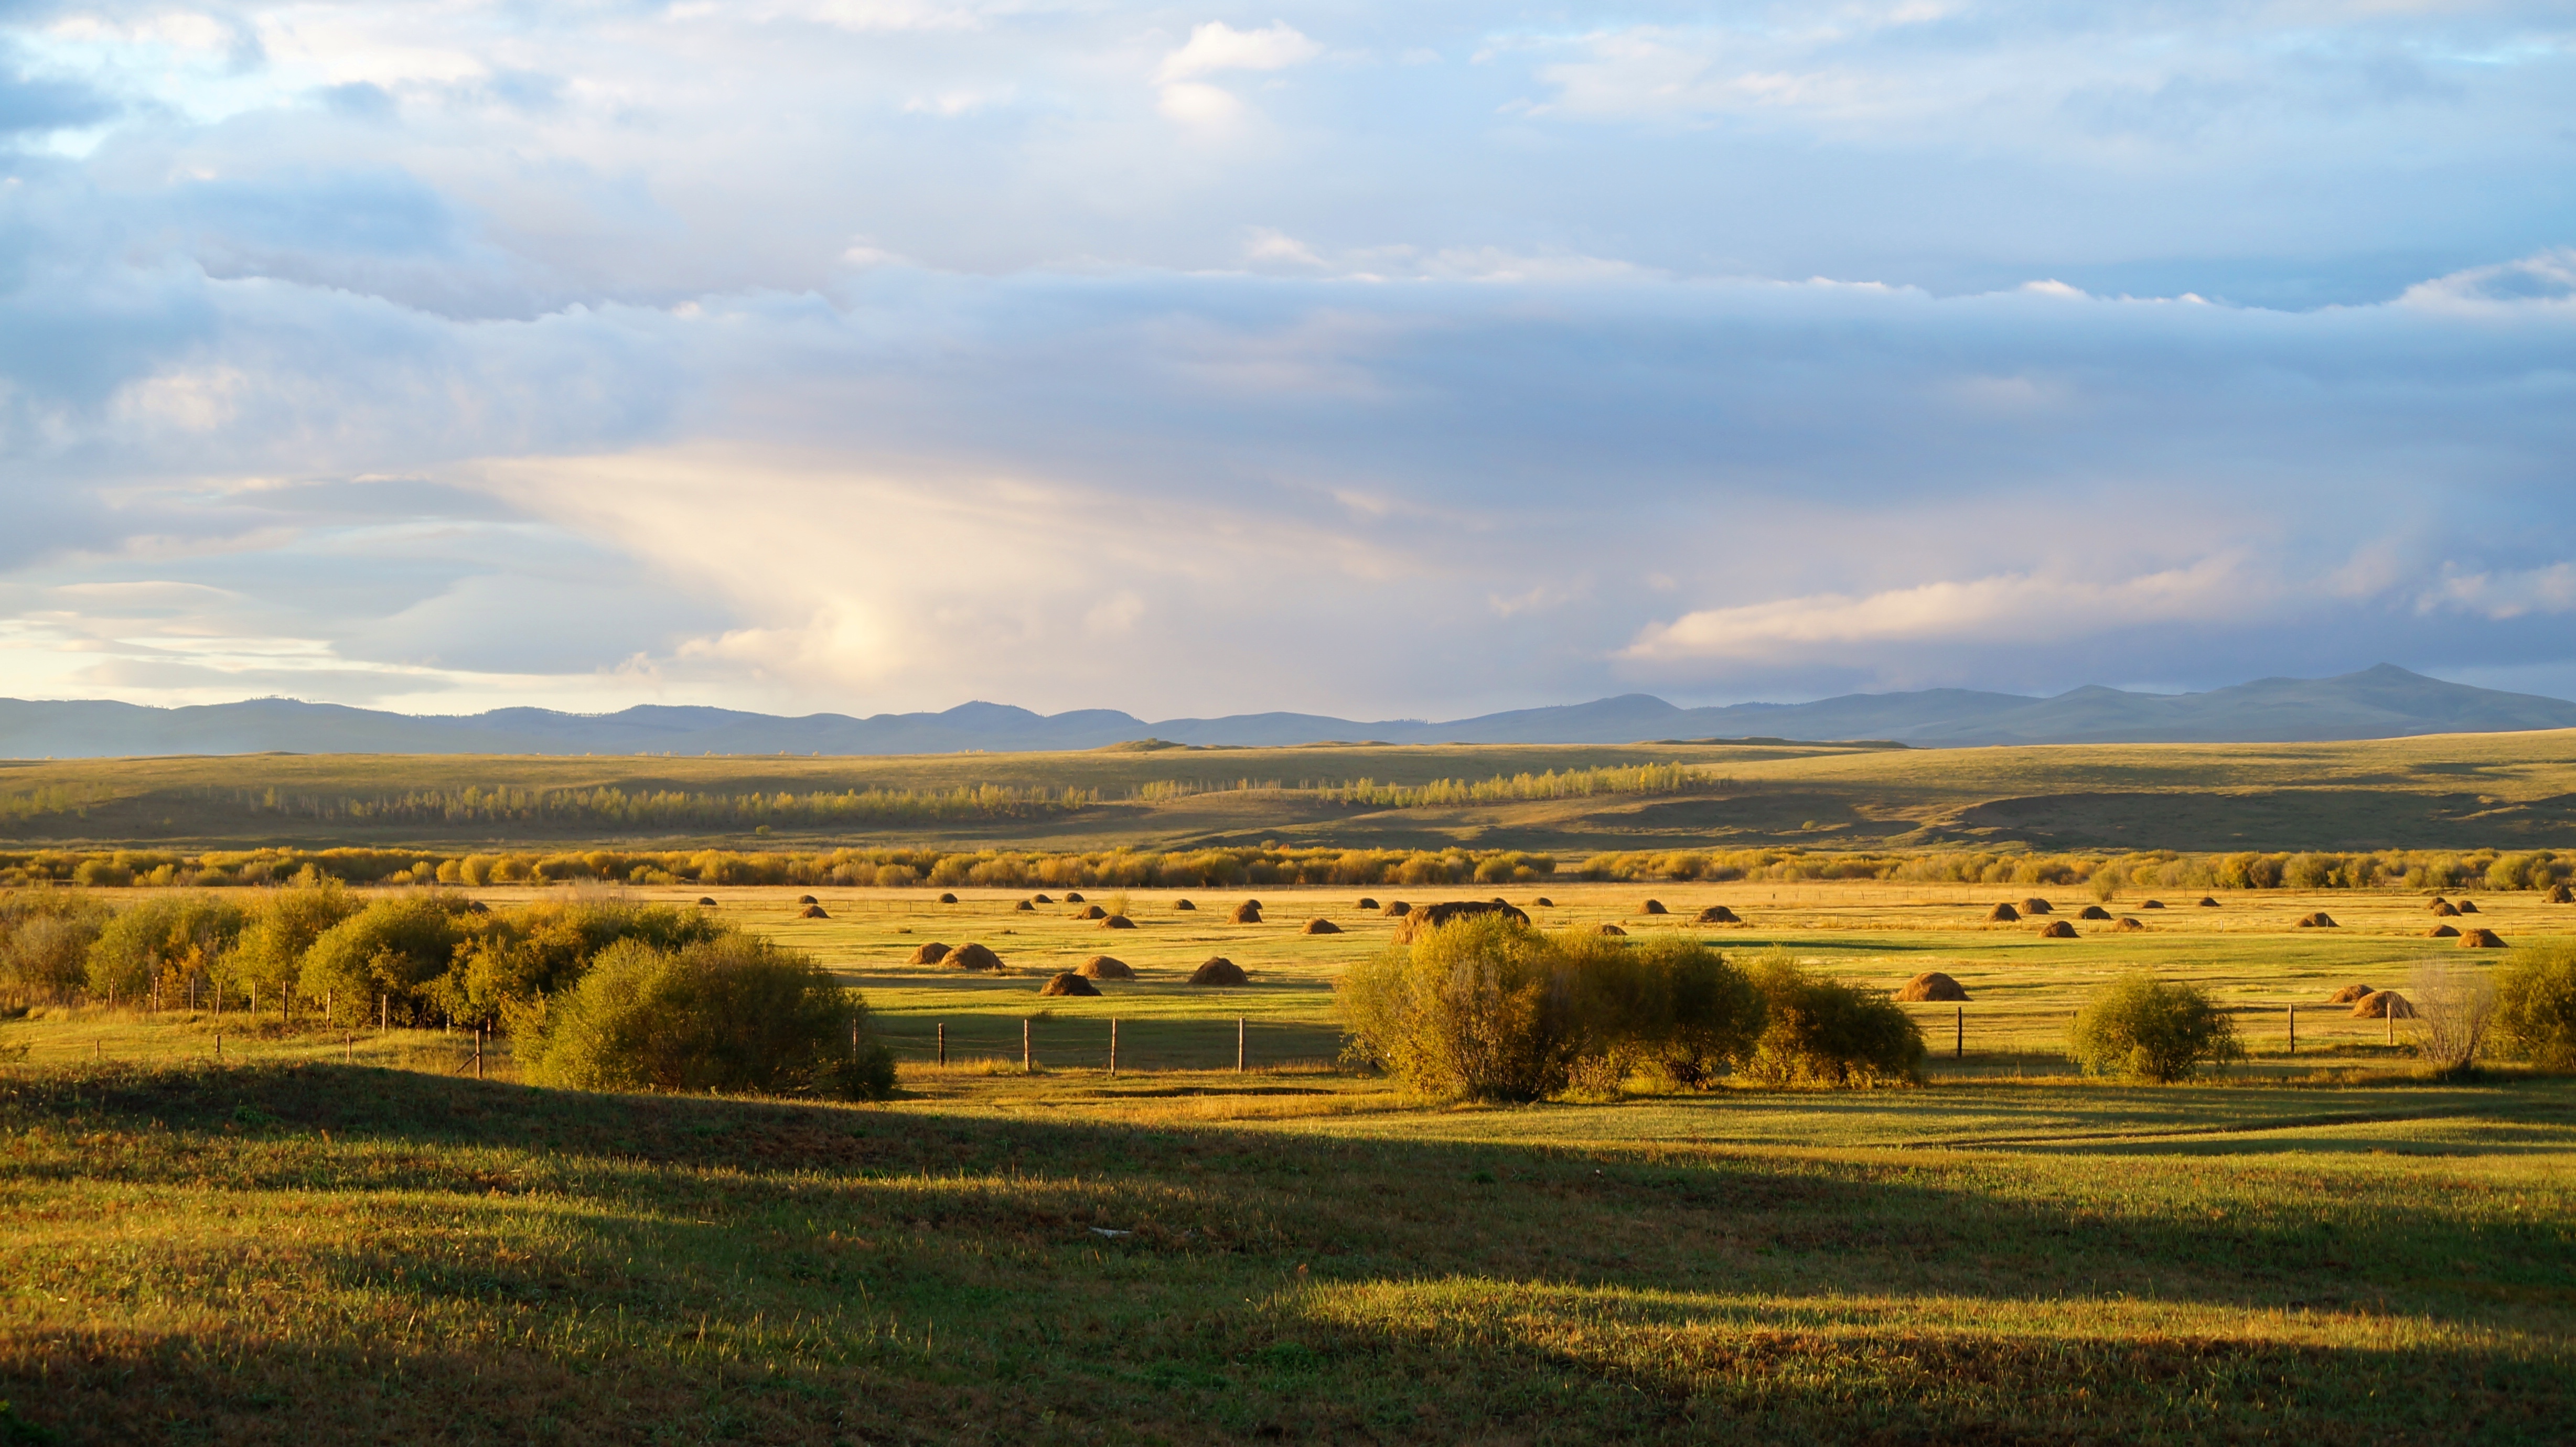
(880, 355)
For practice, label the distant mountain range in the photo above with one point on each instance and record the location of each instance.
(2382, 702)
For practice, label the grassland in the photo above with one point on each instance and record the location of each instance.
(2452, 791)
(343, 1235)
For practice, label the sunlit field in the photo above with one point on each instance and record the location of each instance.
(339, 1232)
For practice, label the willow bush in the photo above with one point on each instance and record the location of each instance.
(2141, 1027)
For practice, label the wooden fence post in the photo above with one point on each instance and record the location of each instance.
(1028, 1051)
(1113, 1045)
(478, 1051)
(1238, 1045)
(943, 1042)
(1959, 1042)
(2294, 1029)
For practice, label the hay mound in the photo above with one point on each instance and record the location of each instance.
(2480, 939)
(2129, 923)
(706, 901)
(2151, 904)
(1248, 912)
(2383, 1005)
(1366, 903)
(1219, 971)
(2468, 906)
(1105, 967)
(930, 954)
(947, 898)
(2002, 914)
(2057, 929)
(2319, 920)
(2037, 906)
(2093, 911)
(1653, 906)
(1719, 914)
(1067, 983)
(1396, 909)
(1321, 927)
(1433, 916)
(807, 899)
(1612, 929)
(1089, 911)
(2443, 932)
(2561, 894)
(1041, 899)
(973, 957)
(1025, 907)
(1073, 896)
(476, 906)
(812, 911)
(1932, 985)
(1543, 902)
(2206, 902)
(2350, 993)
(1117, 921)
(1182, 906)
(2444, 909)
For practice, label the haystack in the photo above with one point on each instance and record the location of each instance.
(973, 957)
(2128, 922)
(1719, 914)
(812, 911)
(476, 906)
(1183, 906)
(2151, 904)
(1396, 909)
(1366, 903)
(1612, 929)
(1041, 899)
(2350, 993)
(1106, 967)
(2319, 920)
(930, 954)
(2468, 906)
(2561, 894)
(1320, 926)
(2383, 1005)
(1652, 906)
(1073, 896)
(2443, 932)
(1433, 916)
(2093, 911)
(2057, 929)
(2480, 939)
(807, 899)
(1219, 971)
(706, 901)
(1931, 985)
(1067, 983)
(2206, 902)
(1024, 907)
(2037, 906)
(1116, 921)
(946, 898)
(1089, 911)
(1248, 912)
(1543, 902)
(2002, 914)
(2444, 909)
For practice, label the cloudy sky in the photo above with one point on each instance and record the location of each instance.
(1379, 360)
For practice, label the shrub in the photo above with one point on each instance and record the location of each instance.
(2536, 1007)
(396, 947)
(509, 962)
(1673, 1006)
(2142, 1027)
(45, 937)
(733, 1014)
(1474, 1008)
(170, 936)
(2454, 1006)
(1823, 1032)
(269, 953)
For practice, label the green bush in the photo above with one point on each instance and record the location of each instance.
(1823, 1032)
(281, 926)
(2150, 1030)
(509, 962)
(2536, 1007)
(1672, 1006)
(169, 937)
(733, 1014)
(45, 936)
(396, 947)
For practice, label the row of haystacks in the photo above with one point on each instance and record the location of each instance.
(980, 959)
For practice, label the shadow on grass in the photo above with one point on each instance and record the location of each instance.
(624, 1268)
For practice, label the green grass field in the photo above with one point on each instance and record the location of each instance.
(2461, 791)
(344, 1235)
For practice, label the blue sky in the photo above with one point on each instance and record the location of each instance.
(874, 355)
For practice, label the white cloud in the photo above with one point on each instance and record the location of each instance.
(2505, 593)
(1217, 46)
(1195, 104)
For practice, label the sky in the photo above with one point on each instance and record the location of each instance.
(1375, 360)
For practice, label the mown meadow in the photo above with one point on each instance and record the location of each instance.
(344, 1232)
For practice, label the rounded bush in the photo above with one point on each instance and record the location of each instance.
(1824, 1032)
(729, 1015)
(2144, 1028)
(2536, 1007)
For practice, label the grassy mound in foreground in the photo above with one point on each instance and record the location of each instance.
(233, 1255)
